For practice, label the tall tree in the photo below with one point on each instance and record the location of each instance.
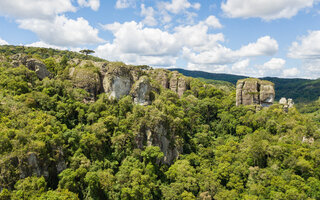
(87, 52)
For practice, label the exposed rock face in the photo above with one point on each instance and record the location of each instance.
(158, 137)
(178, 83)
(162, 78)
(33, 64)
(87, 79)
(118, 82)
(38, 67)
(267, 94)
(141, 91)
(254, 92)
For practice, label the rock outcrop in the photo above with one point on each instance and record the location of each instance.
(86, 78)
(118, 81)
(33, 64)
(253, 91)
(286, 103)
(178, 84)
(141, 91)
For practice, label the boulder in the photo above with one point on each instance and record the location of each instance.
(283, 101)
(33, 64)
(141, 91)
(39, 67)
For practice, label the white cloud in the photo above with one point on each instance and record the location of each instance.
(178, 6)
(197, 36)
(308, 51)
(213, 22)
(121, 4)
(136, 44)
(263, 46)
(45, 45)
(241, 66)
(40, 9)
(265, 9)
(307, 48)
(148, 13)
(218, 54)
(3, 42)
(274, 64)
(292, 72)
(93, 4)
(62, 31)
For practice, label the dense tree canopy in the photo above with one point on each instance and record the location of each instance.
(55, 145)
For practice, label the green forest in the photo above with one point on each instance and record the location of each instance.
(61, 141)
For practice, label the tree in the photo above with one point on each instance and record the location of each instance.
(87, 52)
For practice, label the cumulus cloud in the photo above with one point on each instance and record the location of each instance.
(274, 64)
(3, 42)
(213, 22)
(62, 31)
(45, 45)
(241, 66)
(40, 9)
(93, 4)
(307, 50)
(178, 6)
(292, 72)
(265, 9)
(263, 46)
(148, 14)
(218, 54)
(121, 4)
(134, 43)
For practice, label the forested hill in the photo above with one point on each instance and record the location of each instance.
(79, 127)
(301, 90)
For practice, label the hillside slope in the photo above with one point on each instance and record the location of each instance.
(76, 128)
(301, 90)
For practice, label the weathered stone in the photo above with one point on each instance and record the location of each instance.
(141, 91)
(162, 78)
(159, 137)
(283, 101)
(87, 79)
(118, 81)
(287, 104)
(267, 94)
(253, 91)
(39, 67)
(290, 103)
(178, 83)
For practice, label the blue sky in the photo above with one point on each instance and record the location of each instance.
(247, 37)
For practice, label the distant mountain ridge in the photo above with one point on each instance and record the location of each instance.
(301, 90)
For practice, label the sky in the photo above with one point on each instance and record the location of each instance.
(258, 38)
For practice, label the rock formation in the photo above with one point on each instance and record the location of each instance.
(86, 78)
(141, 91)
(253, 91)
(286, 103)
(117, 81)
(33, 64)
(178, 84)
